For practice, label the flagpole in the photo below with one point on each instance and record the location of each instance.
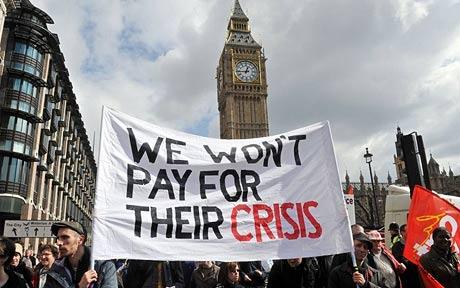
(91, 262)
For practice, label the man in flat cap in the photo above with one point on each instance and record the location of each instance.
(71, 237)
(347, 276)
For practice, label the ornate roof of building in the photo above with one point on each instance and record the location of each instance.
(237, 12)
(26, 4)
(10, 4)
(241, 38)
(432, 162)
(444, 173)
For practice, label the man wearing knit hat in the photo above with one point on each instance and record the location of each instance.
(70, 238)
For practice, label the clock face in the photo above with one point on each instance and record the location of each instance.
(246, 71)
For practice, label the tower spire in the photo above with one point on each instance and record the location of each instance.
(238, 30)
(347, 179)
(237, 12)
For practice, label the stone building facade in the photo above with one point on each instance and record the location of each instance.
(442, 181)
(47, 167)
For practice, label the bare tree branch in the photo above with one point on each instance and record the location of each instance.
(365, 211)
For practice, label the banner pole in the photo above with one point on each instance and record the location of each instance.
(91, 262)
(352, 251)
(353, 256)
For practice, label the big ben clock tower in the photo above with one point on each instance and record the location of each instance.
(241, 82)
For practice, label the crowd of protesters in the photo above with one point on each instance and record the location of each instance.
(373, 265)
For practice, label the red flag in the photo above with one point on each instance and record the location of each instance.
(350, 190)
(428, 280)
(428, 211)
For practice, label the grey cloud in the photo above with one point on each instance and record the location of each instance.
(359, 64)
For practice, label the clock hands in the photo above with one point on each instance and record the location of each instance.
(246, 71)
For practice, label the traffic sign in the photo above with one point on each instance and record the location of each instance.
(28, 228)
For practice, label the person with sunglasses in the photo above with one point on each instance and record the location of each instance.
(229, 275)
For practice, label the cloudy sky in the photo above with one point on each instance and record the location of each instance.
(366, 66)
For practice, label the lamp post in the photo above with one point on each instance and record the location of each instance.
(368, 158)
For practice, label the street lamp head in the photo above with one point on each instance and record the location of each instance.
(368, 156)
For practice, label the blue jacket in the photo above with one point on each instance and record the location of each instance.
(106, 273)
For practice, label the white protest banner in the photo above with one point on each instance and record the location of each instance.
(167, 195)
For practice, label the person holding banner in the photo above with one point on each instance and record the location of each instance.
(341, 258)
(440, 261)
(347, 276)
(71, 237)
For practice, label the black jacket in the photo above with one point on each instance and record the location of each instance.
(249, 268)
(24, 271)
(410, 277)
(283, 275)
(220, 285)
(56, 277)
(443, 268)
(15, 280)
(342, 276)
(144, 273)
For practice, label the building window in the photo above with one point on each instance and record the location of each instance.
(17, 124)
(12, 143)
(45, 195)
(23, 86)
(15, 146)
(37, 186)
(27, 58)
(13, 170)
(28, 50)
(21, 106)
(27, 68)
